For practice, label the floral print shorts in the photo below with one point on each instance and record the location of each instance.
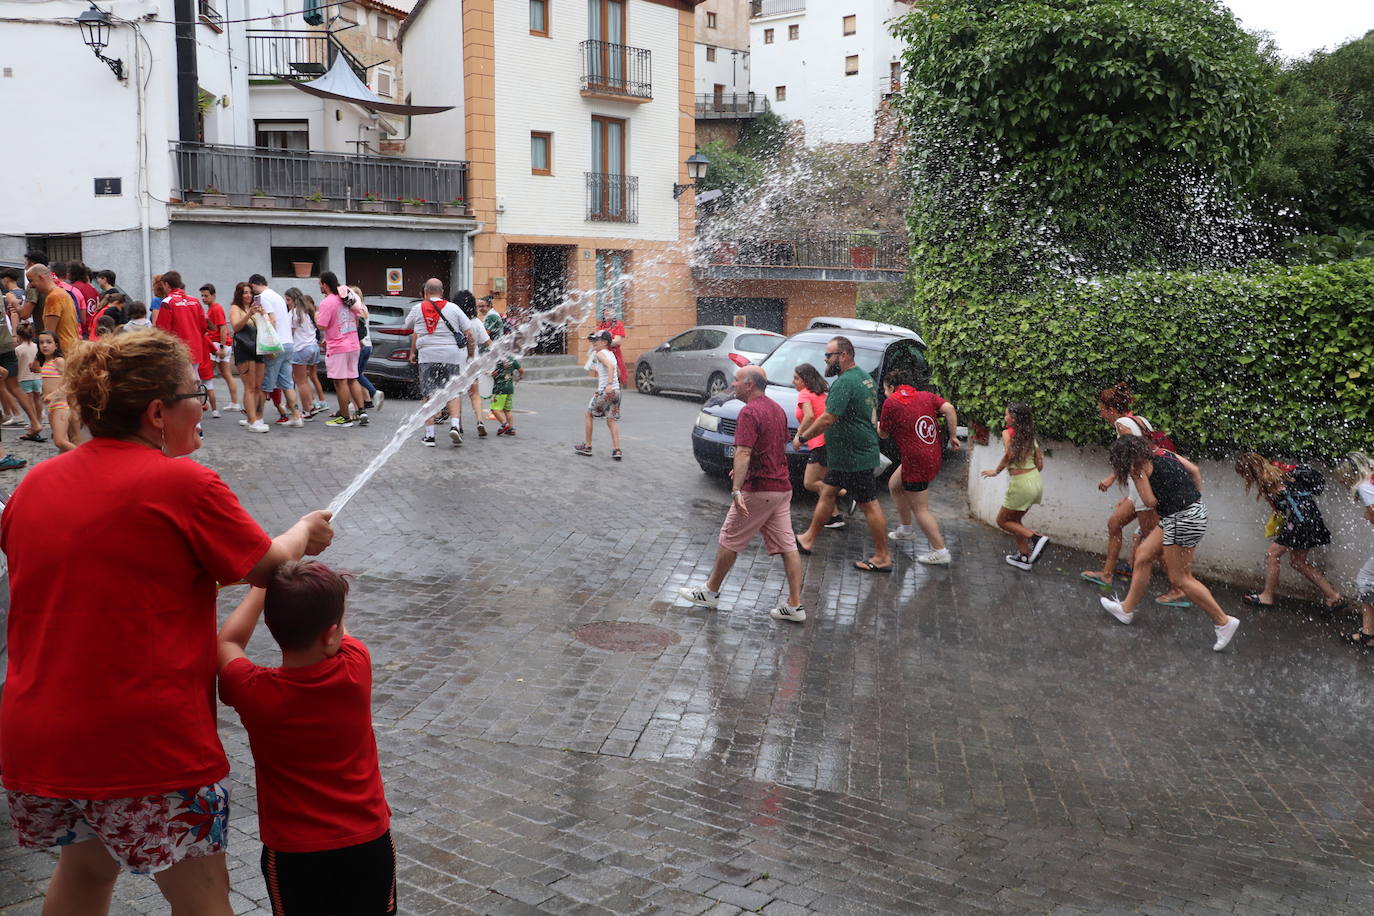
(145, 835)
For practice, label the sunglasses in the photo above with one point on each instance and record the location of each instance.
(202, 394)
(830, 356)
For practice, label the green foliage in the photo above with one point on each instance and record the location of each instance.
(1319, 165)
(763, 137)
(1279, 360)
(730, 171)
(1345, 244)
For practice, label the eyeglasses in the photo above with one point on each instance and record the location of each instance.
(830, 356)
(202, 393)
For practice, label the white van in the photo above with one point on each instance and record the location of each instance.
(862, 324)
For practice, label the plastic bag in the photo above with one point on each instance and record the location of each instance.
(1271, 527)
(268, 342)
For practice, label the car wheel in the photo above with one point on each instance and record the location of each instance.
(644, 379)
(711, 470)
(716, 385)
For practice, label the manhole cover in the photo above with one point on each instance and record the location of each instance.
(615, 636)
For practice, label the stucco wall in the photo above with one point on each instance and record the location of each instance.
(1075, 514)
(433, 51)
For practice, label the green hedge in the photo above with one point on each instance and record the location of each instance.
(1278, 359)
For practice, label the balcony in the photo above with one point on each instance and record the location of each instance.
(730, 105)
(612, 198)
(210, 14)
(246, 176)
(818, 254)
(616, 72)
(759, 8)
(296, 55)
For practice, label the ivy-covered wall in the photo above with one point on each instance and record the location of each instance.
(1279, 359)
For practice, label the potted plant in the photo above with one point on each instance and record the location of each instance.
(303, 269)
(372, 203)
(262, 200)
(863, 248)
(414, 205)
(455, 207)
(214, 197)
(314, 201)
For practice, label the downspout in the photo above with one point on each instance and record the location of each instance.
(142, 163)
(187, 81)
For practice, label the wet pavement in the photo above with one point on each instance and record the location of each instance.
(947, 740)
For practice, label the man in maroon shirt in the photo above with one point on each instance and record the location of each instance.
(761, 501)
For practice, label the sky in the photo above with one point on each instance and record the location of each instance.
(1299, 27)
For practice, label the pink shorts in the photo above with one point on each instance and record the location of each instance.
(770, 512)
(341, 365)
(145, 835)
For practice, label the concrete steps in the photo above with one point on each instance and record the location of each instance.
(555, 370)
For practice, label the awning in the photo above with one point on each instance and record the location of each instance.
(342, 84)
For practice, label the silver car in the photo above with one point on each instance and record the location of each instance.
(702, 360)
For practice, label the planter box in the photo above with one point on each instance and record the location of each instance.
(316, 204)
(414, 208)
(214, 200)
(372, 206)
(303, 269)
(450, 210)
(264, 203)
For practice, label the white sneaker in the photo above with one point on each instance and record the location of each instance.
(936, 557)
(783, 612)
(259, 427)
(455, 436)
(216, 414)
(15, 421)
(1019, 560)
(1038, 543)
(298, 423)
(700, 597)
(1113, 607)
(243, 421)
(900, 535)
(233, 408)
(1224, 633)
(378, 400)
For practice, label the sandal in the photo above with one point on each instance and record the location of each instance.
(1095, 579)
(1255, 601)
(34, 437)
(1341, 604)
(1123, 569)
(1361, 639)
(870, 566)
(1173, 602)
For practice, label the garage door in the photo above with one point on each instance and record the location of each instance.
(367, 267)
(764, 314)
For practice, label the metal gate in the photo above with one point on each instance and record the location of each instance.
(762, 314)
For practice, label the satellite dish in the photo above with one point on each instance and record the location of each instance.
(708, 196)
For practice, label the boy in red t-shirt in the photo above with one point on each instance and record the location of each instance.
(322, 811)
(909, 417)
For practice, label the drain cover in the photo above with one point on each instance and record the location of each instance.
(617, 636)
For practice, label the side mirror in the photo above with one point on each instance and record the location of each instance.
(663, 348)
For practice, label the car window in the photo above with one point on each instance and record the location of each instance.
(906, 354)
(757, 343)
(708, 339)
(382, 314)
(790, 354)
(684, 340)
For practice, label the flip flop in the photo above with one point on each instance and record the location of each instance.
(1095, 579)
(870, 566)
(1176, 602)
(1342, 605)
(1254, 600)
(803, 550)
(1123, 569)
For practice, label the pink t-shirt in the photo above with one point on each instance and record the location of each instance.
(340, 325)
(817, 402)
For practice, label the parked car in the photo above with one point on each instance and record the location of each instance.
(390, 365)
(702, 360)
(876, 352)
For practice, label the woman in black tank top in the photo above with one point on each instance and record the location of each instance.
(1172, 485)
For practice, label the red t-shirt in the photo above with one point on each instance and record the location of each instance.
(617, 329)
(762, 426)
(319, 784)
(183, 316)
(909, 417)
(110, 691)
(87, 298)
(214, 319)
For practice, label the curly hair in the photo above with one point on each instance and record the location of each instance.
(1127, 454)
(115, 378)
(1117, 398)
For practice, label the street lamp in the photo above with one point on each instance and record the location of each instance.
(696, 170)
(95, 32)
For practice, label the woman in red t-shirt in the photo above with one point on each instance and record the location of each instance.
(108, 714)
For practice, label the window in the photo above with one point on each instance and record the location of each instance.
(606, 21)
(382, 81)
(381, 26)
(711, 55)
(57, 247)
(610, 289)
(851, 65)
(539, 18)
(851, 25)
(541, 153)
(895, 74)
(284, 258)
(710, 20)
(606, 25)
(609, 189)
(282, 134)
(780, 93)
(793, 32)
(768, 36)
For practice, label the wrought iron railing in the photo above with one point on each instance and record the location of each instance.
(334, 181)
(210, 13)
(296, 54)
(775, 7)
(612, 198)
(731, 105)
(617, 70)
(830, 249)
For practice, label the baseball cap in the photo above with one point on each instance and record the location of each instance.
(600, 335)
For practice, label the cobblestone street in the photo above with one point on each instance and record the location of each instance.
(946, 740)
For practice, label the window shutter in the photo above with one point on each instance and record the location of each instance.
(312, 13)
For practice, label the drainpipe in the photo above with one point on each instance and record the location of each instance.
(142, 168)
(187, 82)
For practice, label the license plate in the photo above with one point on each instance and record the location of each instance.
(729, 451)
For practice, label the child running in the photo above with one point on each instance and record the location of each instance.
(1355, 472)
(1023, 461)
(30, 383)
(503, 379)
(909, 417)
(1172, 486)
(322, 811)
(50, 365)
(1291, 491)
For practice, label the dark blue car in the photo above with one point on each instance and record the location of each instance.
(875, 351)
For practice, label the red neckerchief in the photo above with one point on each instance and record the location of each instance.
(431, 310)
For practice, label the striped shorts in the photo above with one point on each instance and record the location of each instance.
(1185, 527)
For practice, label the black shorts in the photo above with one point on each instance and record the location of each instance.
(10, 363)
(353, 881)
(860, 484)
(915, 486)
(816, 456)
(245, 355)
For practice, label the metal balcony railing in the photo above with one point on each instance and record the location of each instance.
(828, 249)
(731, 105)
(302, 178)
(759, 8)
(611, 69)
(612, 198)
(296, 55)
(210, 13)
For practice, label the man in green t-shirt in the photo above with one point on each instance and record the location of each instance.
(850, 426)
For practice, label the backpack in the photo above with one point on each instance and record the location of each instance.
(1307, 479)
(1158, 438)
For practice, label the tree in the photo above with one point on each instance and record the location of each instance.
(729, 171)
